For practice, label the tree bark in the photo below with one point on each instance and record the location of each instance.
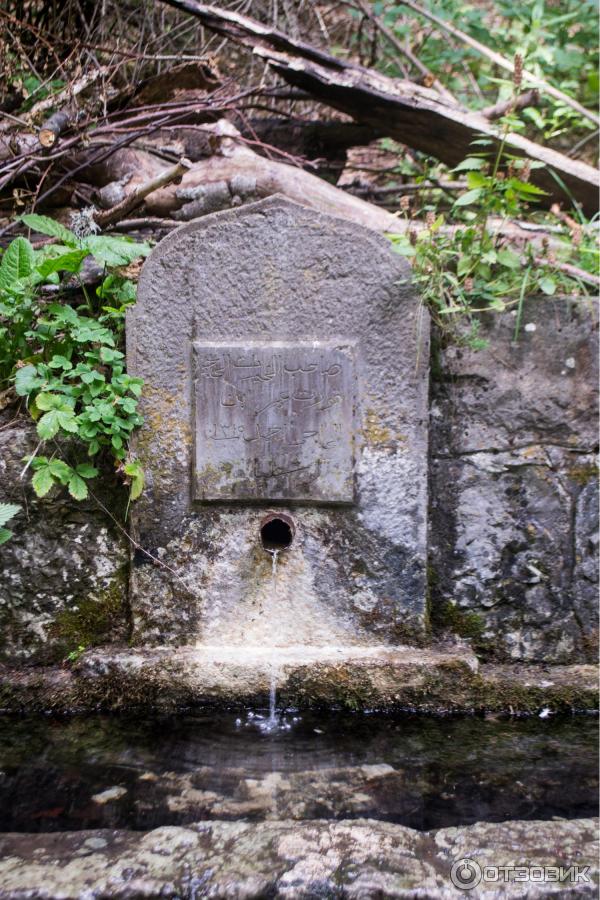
(412, 114)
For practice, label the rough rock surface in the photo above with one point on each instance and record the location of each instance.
(356, 860)
(514, 488)
(276, 271)
(427, 680)
(63, 574)
(513, 531)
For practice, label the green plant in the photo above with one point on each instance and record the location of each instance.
(559, 41)
(74, 655)
(463, 266)
(65, 359)
(7, 512)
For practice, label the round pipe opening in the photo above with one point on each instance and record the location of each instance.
(276, 532)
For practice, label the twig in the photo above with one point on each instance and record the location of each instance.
(132, 541)
(152, 222)
(527, 98)
(571, 270)
(137, 197)
(405, 51)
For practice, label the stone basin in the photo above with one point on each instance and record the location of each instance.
(335, 806)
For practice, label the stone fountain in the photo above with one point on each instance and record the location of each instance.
(284, 523)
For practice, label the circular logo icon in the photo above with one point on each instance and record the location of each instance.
(465, 874)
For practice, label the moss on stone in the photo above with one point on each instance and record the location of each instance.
(91, 621)
(171, 684)
(464, 623)
(583, 474)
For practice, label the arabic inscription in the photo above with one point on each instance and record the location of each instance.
(274, 421)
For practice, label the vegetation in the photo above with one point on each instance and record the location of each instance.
(464, 261)
(7, 512)
(65, 360)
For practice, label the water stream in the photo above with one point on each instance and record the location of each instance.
(275, 720)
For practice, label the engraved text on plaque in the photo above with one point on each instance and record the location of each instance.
(275, 420)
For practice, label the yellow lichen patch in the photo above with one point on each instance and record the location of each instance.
(164, 431)
(374, 433)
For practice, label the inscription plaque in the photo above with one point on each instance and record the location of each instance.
(275, 420)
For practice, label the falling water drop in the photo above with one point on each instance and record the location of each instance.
(274, 555)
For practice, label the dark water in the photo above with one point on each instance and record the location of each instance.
(421, 772)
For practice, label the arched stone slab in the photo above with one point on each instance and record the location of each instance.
(285, 360)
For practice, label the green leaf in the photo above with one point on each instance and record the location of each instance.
(17, 262)
(136, 473)
(46, 225)
(114, 251)
(547, 285)
(26, 380)
(489, 256)
(525, 188)
(42, 481)
(463, 266)
(5, 534)
(471, 163)
(87, 470)
(469, 197)
(68, 422)
(8, 511)
(68, 262)
(77, 487)
(47, 401)
(509, 259)
(60, 470)
(60, 362)
(48, 425)
(476, 179)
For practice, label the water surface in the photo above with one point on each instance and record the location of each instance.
(425, 772)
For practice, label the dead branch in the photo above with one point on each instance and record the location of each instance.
(237, 174)
(572, 271)
(54, 126)
(527, 98)
(408, 112)
(431, 80)
(136, 197)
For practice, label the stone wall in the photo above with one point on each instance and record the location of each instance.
(513, 535)
(63, 574)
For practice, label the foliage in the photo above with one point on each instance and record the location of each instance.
(467, 267)
(74, 655)
(7, 512)
(65, 360)
(558, 41)
(464, 267)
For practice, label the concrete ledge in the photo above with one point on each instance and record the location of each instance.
(434, 680)
(357, 859)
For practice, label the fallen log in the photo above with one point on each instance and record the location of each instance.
(237, 174)
(410, 113)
